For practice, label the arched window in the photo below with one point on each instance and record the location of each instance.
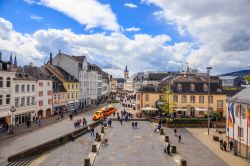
(179, 87)
(192, 87)
(205, 87)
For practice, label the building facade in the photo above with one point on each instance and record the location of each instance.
(186, 93)
(44, 90)
(7, 74)
(238, 122)
(24, 97)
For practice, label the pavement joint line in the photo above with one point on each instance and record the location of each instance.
(177, 157)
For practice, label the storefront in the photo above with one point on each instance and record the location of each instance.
(22, 118)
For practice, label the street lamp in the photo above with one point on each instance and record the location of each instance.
(12, 110)
(208, 110)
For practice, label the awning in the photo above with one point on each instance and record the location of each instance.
(149, 109)
(181, 109)
(200, 109)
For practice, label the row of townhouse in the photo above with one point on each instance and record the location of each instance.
(65, 83)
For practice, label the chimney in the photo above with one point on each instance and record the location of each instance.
(50, 58)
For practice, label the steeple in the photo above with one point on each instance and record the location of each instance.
(15, 62)
(126, 73)
(126, 69)
(11, 61)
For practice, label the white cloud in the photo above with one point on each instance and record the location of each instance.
(132, 29)
(141, 53)
(220, 26)
(130, 5)
(90, 13)
(38, 18)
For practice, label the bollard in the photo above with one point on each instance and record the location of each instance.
(173, 149)
(166, 138)
(102, 129)
(87, 162)
(94, 149)
(183, 162)
(161, 132)
(98, 138)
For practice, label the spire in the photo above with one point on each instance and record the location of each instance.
(11, 61)
(15, 62)
(126, 69)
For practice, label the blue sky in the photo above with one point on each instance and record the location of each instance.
(143, 34)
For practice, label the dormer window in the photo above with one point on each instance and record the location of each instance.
(192, 87)
(205, 87)
(179, 87)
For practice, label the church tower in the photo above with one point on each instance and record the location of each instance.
(126, 72)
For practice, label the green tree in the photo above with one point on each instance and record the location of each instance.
(168, 103)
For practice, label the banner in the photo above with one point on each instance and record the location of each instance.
(231, 118)
(248, 116)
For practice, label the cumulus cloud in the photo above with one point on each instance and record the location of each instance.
(38, 18)
(130, 5)
(220, 26)
(111, 51)
(132, 29)
(90, 13)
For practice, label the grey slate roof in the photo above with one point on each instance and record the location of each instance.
(242, 97)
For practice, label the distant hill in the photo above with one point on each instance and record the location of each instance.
(238, 73)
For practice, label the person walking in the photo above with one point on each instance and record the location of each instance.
(168, 149)
(175, 132)
(121, 121)
(92, 132)
(231, 145)
(133, 124)
(136, 125)
(179, 139)
(225, 145)
(221, 144)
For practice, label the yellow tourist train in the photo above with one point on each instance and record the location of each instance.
(103, 112)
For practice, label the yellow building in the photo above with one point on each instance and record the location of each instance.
(187, 95)
(70, 84)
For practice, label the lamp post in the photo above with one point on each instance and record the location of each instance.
(12, 110)
(208, 110)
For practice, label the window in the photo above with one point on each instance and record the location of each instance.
(33, 88)
(68, 95)
(76, 95)
(40, 103)
(201, 99)
(72, 95)
(76, 86)
(176, 98)
(16, 102)
(1, 82)
(23, 88)
(54, 97)
(179, 87)
(205, 87)
(210, 99)
(1, 99)
(192, 87)
(240, 132)
(192, 99)
(49, 101)
(28, 101)
(8, 82)
(48, 83)
(22, 101)
(33, 101)
(68, 86)
(72, 86)
(17, 88)
(220, 104)
(59, 96)
(183, 99)
(7, 99)
(40, 84)
(138, 97)
(40, 93)
(147, 97)
(28, 88)
(49, 93)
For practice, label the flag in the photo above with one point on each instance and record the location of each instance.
(231, 118)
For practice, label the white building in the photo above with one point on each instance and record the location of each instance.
(238, 122)
(44, 90)
(24, 97)
(7, 73)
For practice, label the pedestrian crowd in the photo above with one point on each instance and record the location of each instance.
(223, 145)
(79, 122)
